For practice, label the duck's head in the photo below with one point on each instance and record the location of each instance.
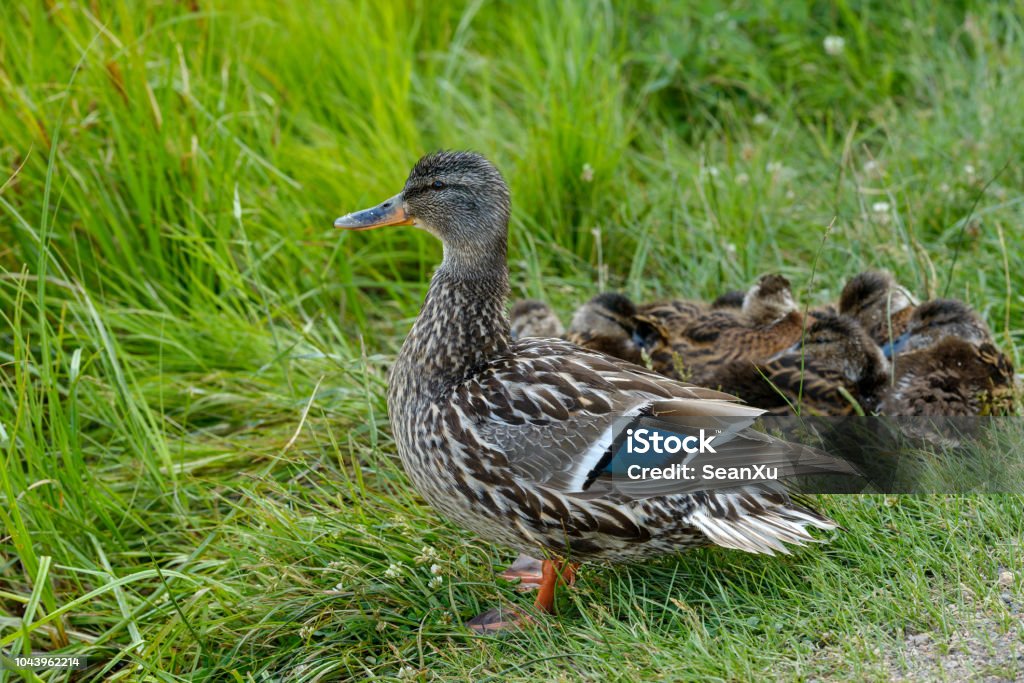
(935, 320)
(609, 315)
(770, 300)
(871, 295)
(459, 197)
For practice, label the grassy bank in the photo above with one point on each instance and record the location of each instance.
(198, 480)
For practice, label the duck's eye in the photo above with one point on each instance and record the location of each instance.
(437, 185)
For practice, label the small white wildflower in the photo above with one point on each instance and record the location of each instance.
(306, 632)
(427, 554)
(761, 119)
(774, 167)
(587, 174)
(407, 673)
(435, 569)
(880, 207)
(834, 45)
(335, 564)
(944, 188)
(969, 169)
(436, 582)
(393, 571)
(742, 179)
(871, 167)
(730, 249)
(339, 586)
(790, 194)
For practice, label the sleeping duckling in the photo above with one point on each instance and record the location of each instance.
(881, 305)
(835, 368)
(954, 377)
(935, 320)
(532, 318)
(607, 324)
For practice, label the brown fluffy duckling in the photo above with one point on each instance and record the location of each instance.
(532, 318)
(607, 324)
(881, 305)
(836, 366)
(935, 320)
(953, 377)
(766, 323)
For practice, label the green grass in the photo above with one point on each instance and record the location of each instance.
(198, 480)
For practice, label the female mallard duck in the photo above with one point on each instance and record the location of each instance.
(504, 436)
(833, 370)
(881, 305)
(532, 318)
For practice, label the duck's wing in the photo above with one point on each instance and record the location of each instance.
(554, 411)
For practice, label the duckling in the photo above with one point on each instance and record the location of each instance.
(935, 320)
(505, 437)
(953, 377)
(532, 318)
(769, 300)
(878, 302)
(833, 367)
(606, 323)
(768, 322)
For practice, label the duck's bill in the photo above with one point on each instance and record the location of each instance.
(390, 212)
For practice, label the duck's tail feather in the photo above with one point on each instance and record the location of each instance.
(758, 521)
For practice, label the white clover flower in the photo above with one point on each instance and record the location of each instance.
(436, 582)
(761, 119)
(969, 169)
(407, 673)
(394, 571)
(774, 167)
(742, 179)
(427, 554)
(872, 167)
(305, 632)
(435, 569)
(834, 45)
(587, 174)
(880, 207)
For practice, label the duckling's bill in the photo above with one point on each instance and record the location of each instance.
(389, 212)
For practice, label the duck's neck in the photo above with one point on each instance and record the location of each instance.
(461, 326)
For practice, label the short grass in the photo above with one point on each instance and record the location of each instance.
(198, 480)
